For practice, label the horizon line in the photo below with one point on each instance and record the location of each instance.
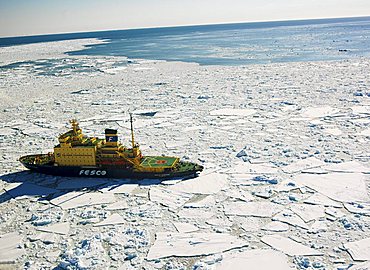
(186, 25)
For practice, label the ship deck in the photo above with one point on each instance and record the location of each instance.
(159, 162)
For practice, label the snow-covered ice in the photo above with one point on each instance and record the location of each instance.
(113, 219)
(259, 259)
(256, 209)
(79, 199)
(289, 246)
(192, 244)
(342, 187)
(59, 228)
(10, 247)
(284, 146)
(204, 184)
(359, 250)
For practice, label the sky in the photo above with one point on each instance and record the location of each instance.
(33, 17)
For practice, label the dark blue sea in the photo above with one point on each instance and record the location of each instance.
(230, 44)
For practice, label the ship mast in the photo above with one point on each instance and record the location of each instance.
(132, 135)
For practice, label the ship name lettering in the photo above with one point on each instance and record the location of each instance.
(92, 172)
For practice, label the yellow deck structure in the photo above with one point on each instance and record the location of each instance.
(76, 149)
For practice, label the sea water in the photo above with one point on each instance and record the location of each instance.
(230, 44)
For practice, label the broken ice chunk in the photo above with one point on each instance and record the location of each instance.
(358, 208)
(308, 212)
(120, 188)
(46, 238)
(318, 226)
(359, 250)
(361, 266)
(113, 219)
(342, 187)
(207, 201)
(233, 112)
(249, 224)
(320, 199)
(204, 184)
(246, 167)
(185, 227)
(289, 246)
(361, 109)
(10, 248)
(333, 131)
(120, 205)
(290, 218)
(259, 259)
(59, 228)
(303, 164)
(80, 199)
(365, 132)
(256, 209)
(240, 194)
(71, 183)
(192, 244)
(349, 167)
(171, 198)
(27, 189)
(275, 226)
(195, 213)
(316, 112)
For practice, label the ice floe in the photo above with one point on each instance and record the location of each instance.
(275, 226)
(289, 246)
(59, 228)
(204, 184)
(256, 209)
(359, 250)
(80, 199)
(185, 227)
(289, 217)
(113, 219)
(171, 198)
(232, 112)
(192, 244)
(10, 247)
(316, 112)
(308, 212)
(342, 187)
(303, 164)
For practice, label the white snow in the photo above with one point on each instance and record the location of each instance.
(248, 168)
(289, 246)
(256, 209)
(120, 188)
(308, 212)
(59, 228)
(259, 259)
(342, 187)
(317, 112)
(233, 112)
(359, 250)
(276, 226)
(119, 205)
(185, 227)
(79, 199)
(192, 244)
(289, 217)
(10, 247)
(349, 167)
(204, 184)
(304, 164)
(171, 198)
(113, 219)
(320, 199)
